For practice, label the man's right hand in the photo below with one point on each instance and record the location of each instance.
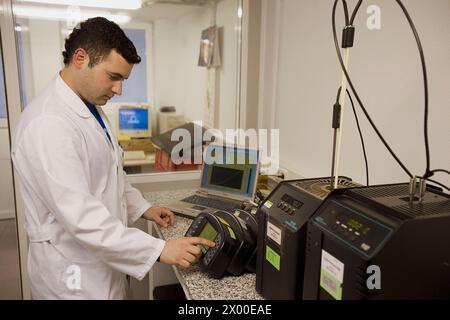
(183, 251)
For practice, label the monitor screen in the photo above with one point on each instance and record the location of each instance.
(231, 170)
(133, 119)
(226, 177)
(134, 122)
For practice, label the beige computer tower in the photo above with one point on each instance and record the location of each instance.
(169, 120)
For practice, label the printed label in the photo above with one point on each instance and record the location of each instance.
(331, 275)
(223, 221)
(268, 204)
(233, 236)
(274, 233)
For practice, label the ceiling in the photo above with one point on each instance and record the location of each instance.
(157, 11)
(151, 9)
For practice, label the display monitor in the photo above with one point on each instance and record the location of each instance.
(134, 122)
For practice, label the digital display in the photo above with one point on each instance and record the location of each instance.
(133, 119)
(357, 226)
(209, 233)
(295, 203)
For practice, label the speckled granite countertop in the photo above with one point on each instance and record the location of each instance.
(197, 284)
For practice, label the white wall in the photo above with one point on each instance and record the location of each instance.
(45, 45)
(227, 20)
(386, 71)
(179, 80)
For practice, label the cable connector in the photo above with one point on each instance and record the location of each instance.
(336, 115)
(348, 35)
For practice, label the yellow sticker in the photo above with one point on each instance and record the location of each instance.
(233, 236)
(223, 221)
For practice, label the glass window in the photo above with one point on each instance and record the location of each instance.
(135, 89)
(189, 69)
(2, 91)
(9, 248)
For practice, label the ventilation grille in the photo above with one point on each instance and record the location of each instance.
(423, 209)
(383, 191)
(397, 198)
(320, 188)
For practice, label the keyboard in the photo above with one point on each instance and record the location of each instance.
(134, 155)
(213, 203)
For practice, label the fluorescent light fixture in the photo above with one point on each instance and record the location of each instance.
(65, 15)
(239, 12)
(109, 4)
(21, 28)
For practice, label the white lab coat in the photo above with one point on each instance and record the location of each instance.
(77, 202)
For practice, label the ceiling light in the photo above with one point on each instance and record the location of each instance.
(110, 4)
(67, 15)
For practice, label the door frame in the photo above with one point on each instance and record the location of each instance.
(14, 109)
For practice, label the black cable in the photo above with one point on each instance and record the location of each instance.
(361, 137)
(347, 21)
(338, 96)
(440, 170)
(439, 184)
(356, 94)
(425, 84)
(355, 11)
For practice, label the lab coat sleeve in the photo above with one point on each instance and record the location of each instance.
(136, 204)
(49, 155)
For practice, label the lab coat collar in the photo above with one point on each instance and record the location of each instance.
(70, 97)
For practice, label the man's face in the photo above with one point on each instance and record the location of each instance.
(104, 80)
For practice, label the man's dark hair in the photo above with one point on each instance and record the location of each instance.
(98, 36)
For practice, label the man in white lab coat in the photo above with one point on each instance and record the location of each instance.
(77, 202)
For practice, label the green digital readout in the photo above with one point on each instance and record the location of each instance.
(357, 226)
(209, 233)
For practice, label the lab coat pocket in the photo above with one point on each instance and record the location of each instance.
(89, 280)
(75, 272)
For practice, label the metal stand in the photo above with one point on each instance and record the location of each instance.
(338, 131)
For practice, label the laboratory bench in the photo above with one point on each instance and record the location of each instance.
(196, 284)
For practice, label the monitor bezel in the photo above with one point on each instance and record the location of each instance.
(228, 194)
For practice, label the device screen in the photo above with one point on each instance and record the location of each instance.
(133, 119)
(227, 177)
(209, 233)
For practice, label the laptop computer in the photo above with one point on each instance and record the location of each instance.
(228, 181)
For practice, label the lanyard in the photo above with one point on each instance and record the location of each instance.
(97, 116)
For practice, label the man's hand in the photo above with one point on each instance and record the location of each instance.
(162, 216)
(183, 251)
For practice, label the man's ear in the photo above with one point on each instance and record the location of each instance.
(80, 58)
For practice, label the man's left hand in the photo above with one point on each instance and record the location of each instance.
(162, 216)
